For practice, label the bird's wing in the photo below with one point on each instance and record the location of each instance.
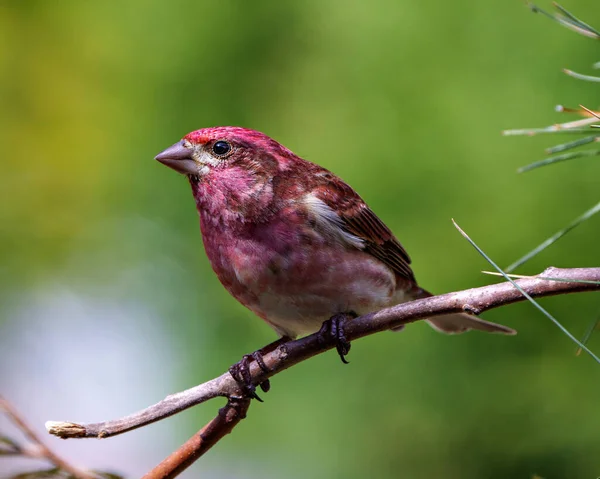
(345, 209)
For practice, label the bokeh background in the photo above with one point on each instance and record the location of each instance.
(107, 300)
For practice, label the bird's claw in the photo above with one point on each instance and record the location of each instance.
(258, 357)
(240, 372)
(333, 330)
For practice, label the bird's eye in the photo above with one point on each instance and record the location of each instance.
(221, 148)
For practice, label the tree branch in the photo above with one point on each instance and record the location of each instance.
(475, 301)
(228, 417)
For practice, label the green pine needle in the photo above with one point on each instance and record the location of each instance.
(569, 127)
(529, 298)
(573, 144)
(588, 334)
(537, 131)
(568, 20)
(545, 278)
(555, 237)
(576, 21)
(558, 159)
(581, 76)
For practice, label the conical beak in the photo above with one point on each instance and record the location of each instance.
(179, 157)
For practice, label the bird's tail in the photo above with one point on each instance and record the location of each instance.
(461, 322)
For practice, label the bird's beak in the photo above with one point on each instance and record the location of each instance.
(180, 158)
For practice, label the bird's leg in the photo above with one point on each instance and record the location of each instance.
(258, 357)
(333, 330)
(240, 371)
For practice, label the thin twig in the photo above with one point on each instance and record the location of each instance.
(227, 418)
(172, 404)
(42, 451)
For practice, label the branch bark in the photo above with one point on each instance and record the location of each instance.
(195, 447)
(475, 301)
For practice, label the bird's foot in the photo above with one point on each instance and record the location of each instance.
(333, 331)
(241, 371)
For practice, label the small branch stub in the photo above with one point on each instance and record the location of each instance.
(65, 429)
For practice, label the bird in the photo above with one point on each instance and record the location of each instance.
(293, 242)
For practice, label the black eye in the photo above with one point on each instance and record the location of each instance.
(221, 148)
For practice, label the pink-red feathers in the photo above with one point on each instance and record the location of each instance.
(289, 239)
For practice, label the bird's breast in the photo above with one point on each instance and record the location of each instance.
(292, 276)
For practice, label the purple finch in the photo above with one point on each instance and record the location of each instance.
(290, 240)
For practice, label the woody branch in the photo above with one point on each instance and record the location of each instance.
(475, 301)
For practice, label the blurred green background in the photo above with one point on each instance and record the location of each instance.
(108, 302)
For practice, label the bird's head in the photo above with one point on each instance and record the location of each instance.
(233, 171)
(208, 149)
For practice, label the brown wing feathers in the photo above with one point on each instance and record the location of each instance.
(380, 242)
(360, 221)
